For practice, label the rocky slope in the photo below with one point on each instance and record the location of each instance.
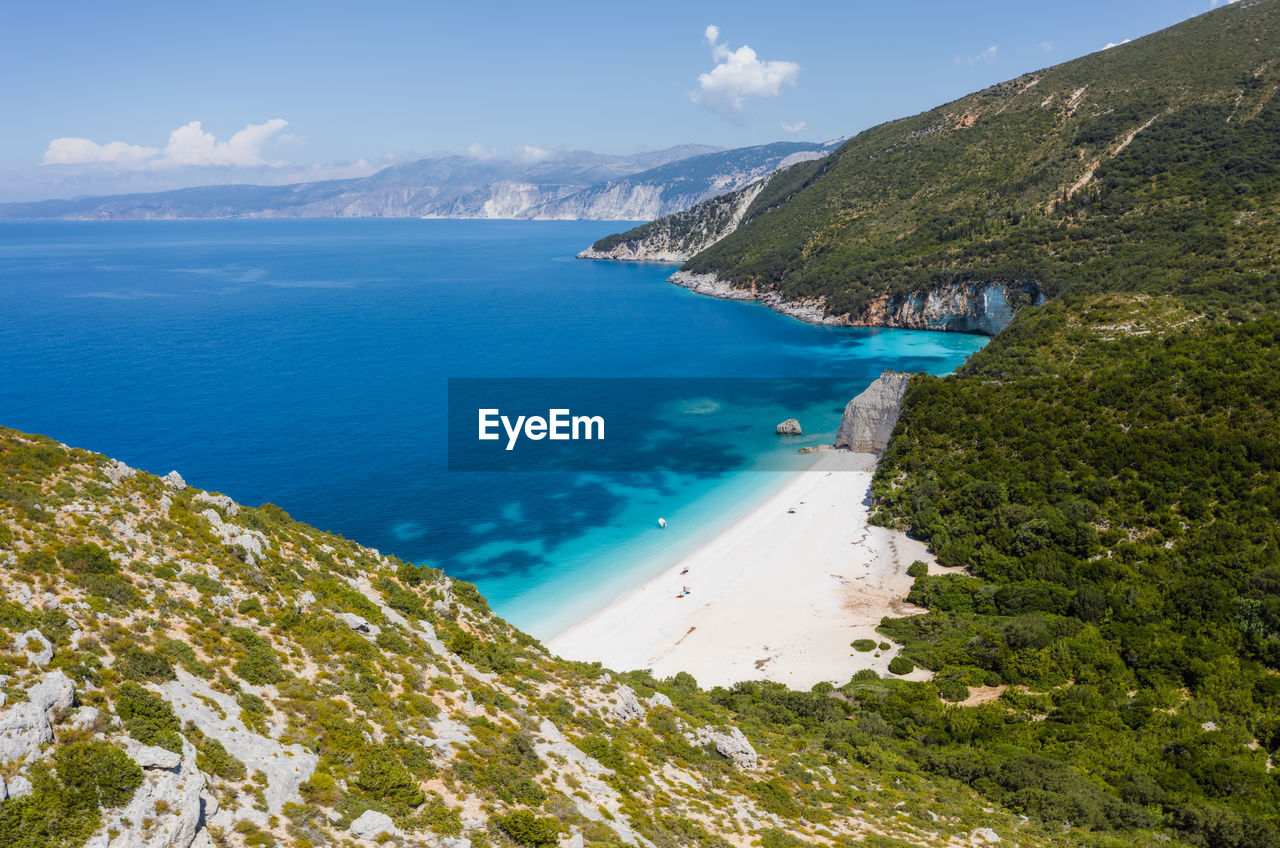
(869, 418)
(179, 669)
(577, 185)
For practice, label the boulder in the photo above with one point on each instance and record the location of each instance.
(371, 823)
(869, 418)
(39, 650)
(359, 625)
(151, 757)
(984, 834)
(25, 727)
(17, 786)
(628, 707)
(660, 700)
(731, 744)
(174, 481)
(223, 502)
(118, 472)
(790, 427)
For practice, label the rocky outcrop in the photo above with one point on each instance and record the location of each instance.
(790, 427)
(26, 726)
(677, 237)
(974, 307)
(165, 811)
(869, 418)
(732, 744)
(371, 824)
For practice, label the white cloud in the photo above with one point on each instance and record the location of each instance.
(738, 74)
(798, 126)
(529, 153)
(189, 146)
(1111, 44)
(476, 150)
(985, 57)
(1046, 46)
(82, 151)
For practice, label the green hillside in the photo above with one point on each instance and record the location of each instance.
(178, 669)
(1147, 167)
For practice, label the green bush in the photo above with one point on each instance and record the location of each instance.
(409, 574)
(147, 717)
(87, 558)
(137, 664)
(917, 569)
(948, 689)
(864, 645)
(99, 773)
(901, 665)
(383, 778)
(38, 561)
(524, 828)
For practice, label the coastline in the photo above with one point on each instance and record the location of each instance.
(777, 595)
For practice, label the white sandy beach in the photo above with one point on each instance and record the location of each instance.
(777, 596)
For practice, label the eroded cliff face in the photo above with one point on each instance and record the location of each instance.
(974, 307)
(971, 307)
(679, 236)
(869, 418)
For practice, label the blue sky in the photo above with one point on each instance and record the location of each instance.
(325, 89)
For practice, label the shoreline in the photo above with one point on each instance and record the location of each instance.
(777, 595)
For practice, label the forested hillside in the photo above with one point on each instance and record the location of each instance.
(1147, 167)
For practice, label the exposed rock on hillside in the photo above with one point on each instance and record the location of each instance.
(314, 691)
(974, 307)
(869, 418)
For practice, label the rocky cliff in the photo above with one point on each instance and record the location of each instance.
(972, 307)
(678, 236)
(869, 418)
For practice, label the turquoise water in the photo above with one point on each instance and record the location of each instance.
(305, 363)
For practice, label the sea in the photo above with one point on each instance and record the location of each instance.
(309, 363)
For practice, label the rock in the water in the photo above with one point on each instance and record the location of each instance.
(371, 823)
(869, 418)
(790, 427)
(174, 481)
(25, 727)
(731, 745)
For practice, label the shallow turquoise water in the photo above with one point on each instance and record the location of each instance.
(305, 363)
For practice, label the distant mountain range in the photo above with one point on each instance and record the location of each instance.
(576, 185)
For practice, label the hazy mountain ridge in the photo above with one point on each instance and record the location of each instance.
(573, 185)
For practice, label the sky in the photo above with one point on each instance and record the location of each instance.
(132, 96)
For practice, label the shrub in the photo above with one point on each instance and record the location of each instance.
(137, 664)
(87, 558)
(864, 645)
(917, 569)
(147, 717)
(525, 828)
(98, 772)
(38, 561)
(204, 584)
(901, 665)
(248, 606)
(381, 776)
(948, 689)
(409, 574)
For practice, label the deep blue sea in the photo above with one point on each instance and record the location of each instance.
(306, 363)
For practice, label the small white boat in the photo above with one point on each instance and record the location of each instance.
(662, 522)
